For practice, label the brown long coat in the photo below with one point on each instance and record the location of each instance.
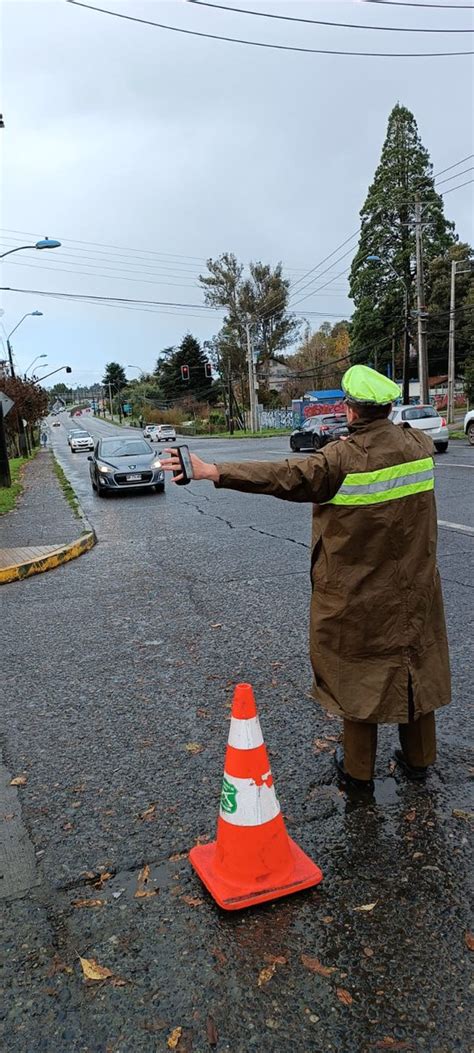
(377, 615)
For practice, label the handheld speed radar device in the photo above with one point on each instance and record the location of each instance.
(186, 467)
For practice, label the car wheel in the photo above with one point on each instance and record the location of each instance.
(293, 445)
(159, 488)
(470, 433)
(100, 492)
(441, 447)
(316, 442)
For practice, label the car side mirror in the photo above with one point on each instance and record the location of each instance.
(90, 458)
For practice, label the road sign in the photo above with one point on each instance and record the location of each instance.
(7, 403)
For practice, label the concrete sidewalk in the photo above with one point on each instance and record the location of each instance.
(42, 531)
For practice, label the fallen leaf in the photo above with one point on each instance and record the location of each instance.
(315, 966)
(174, 1037)
(8, 816)
(368, 952)
(211, 1031)
(145, 893)
(323, 744)
(275, 959)
(116, 981)
(216, 625)
(146, 742)
(327, 920)
(266, 974)
(194, 747)
(459, 814)
(176, 856)
(221, 957)
(19, 780)
(392, 766)
(192, 901)
(201, 712)
(469, 940)
(93, 971)
(149, 813)
(344, 996)
(88, 902)
(366, 907)
(101, 879)
(143, 875)
(410, 816)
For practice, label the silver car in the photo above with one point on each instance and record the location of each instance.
(125, 464)
(427, 419)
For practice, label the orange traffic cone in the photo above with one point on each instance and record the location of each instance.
(253, 859)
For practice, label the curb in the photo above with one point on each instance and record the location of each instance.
(64, 553)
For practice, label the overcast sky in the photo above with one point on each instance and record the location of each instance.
(145, 152)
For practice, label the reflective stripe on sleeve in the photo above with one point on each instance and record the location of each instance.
(386, 484)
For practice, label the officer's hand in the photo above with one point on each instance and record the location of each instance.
(201, 470)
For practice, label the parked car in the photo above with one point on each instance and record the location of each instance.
(427, 419)
(149, 431)
(164, 433)
(318, 431)
(125, 464)
(469, 426)
(81, 440)
(56, 424)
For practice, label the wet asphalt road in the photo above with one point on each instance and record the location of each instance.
(119, 661)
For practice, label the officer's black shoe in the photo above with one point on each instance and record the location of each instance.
(348, 780)
(419, 774)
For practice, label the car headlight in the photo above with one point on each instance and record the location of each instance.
(104, 467)
(156, 464)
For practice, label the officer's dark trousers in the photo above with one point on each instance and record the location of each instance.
(417, 739)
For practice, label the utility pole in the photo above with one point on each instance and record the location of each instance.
(5, 477)
(229, 398)
(423, 374)
(451, 345)
(23, 439)
(393, 354)
(406, 353)
(252, 385)
(110, 401)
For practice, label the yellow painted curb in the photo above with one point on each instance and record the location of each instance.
(61, 555)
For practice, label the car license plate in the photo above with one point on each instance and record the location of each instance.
(133, 478)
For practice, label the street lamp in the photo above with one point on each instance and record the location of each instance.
(32, 314)
(45, 243)
(58, 370)
(374, 258)
(33, 362)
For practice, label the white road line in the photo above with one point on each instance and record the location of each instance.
(452, 464)
(456, 526)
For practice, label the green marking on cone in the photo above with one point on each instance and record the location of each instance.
(228, 797)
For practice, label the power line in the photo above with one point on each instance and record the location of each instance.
(457, 175)
(101, 245)
(444, 192)
(262, 44)
(412, 3)
(321, 22)
(450, 167)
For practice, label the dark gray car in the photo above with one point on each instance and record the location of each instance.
(319, 430)
(125, 464)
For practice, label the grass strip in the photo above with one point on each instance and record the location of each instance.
(67, 489)
(9, 494)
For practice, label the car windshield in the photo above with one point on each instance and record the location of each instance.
(77, 431)
(166, 427)
(124, 448)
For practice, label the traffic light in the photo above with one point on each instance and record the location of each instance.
(184, 372)
(208, 369)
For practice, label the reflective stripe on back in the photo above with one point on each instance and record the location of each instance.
(386, 484)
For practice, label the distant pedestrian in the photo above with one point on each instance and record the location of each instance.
(378, 638)
(44, 439)
(141, 421)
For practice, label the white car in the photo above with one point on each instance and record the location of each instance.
(164, 433)
(469, 426)
(81, 441)
(427, 419)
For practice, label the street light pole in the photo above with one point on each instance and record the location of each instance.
(45, 243)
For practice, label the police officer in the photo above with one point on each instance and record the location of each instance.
(377, 635)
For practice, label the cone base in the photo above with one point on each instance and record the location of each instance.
(232, 896)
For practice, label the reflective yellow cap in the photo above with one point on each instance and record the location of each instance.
(365, 385)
